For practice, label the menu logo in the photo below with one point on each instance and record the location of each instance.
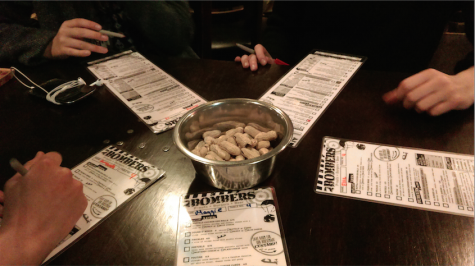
(126, 159)
(218, 199)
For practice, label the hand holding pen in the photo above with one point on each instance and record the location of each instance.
(42, 203)
(69, 40)
(259, 54)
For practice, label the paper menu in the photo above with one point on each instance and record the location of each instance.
(110, 178)
(231, 228)
(402, 176)
(308, 89)
(153, 95)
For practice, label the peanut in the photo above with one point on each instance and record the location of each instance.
(263, 144)
(240, 158)
(195, 126)
(269, 136)
(242, 140)
(220, 152)
(196, 134)
(213, 156)
(250, 153)
(231, 132)
(223, 126)
(230, 148)
(192, 144)
(251, 131)
(212, 133)
(258, 127)
(209, 140)
(204, 150)
(263, 151)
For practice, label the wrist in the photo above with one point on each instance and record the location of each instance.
(47, 52)
(16, 249)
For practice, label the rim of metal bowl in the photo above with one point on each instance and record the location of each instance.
(283, 143)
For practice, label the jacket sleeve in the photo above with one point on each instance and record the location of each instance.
(166, 25)
(21, 40)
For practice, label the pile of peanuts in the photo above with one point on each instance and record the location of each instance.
(239, 143)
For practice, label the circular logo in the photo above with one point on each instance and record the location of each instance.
(143, 108)
(102, 206)
(267, 243)
(386, 154)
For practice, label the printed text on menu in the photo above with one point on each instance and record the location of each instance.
(109, 178)
(236, 228)
(153, 95)
(422, 179)
(306, 91)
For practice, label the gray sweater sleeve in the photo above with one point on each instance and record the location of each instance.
(20, 41)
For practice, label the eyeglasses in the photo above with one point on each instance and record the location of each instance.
(61, 92)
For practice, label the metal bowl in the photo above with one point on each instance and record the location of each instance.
(241, 174)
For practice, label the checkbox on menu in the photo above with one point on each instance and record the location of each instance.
(187, 241)
(358, 192)
(378, 194)
(186, 259)
(187, 249)
(399, 198)
(469, 209)
(410, 200)
(446, 205)
(427, 202)
(387, 196)
(370, 193)
(460, 207)
(436, 204)
(187, 234)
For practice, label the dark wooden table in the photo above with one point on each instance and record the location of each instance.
(319, 229)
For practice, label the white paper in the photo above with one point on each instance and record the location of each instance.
(306, 91)
(110, 178)
(230, 228)
(416, 178)
(153, 95)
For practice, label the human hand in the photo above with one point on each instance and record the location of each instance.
(434, 92)
(68, 41)
(260, 55)
(40, 210)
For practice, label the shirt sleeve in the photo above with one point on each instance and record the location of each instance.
(21, 40)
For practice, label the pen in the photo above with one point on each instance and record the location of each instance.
(17, 166)
(251, 51)
(112, 34)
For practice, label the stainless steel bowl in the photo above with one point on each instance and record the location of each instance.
(233, 175)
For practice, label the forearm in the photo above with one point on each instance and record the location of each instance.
(22, 44)
(17, 251)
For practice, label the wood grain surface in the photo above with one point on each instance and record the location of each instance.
(319, 229)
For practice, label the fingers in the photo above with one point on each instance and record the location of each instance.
(2, 196)
(419, 93)
(55, 157)
(245, 61)
(82, 45)
(82, 23)
(253, 62)
(81, 33)
(237, 59)
(413, 82)
(30, 163)
(261, 54)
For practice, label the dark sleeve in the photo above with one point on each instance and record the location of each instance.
(467, 11)
(280, 30)
(166, 25)
(21, 40)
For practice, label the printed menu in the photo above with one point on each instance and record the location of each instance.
(308, 89)
(153, 95)
(408, 177)
(231, 228)
(110, 178)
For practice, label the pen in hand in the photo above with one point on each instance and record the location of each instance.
(17, 166)
(112, 34)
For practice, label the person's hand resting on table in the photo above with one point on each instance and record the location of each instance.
(40, 209)
(69, 40)
(260, 55)
(434, 92)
